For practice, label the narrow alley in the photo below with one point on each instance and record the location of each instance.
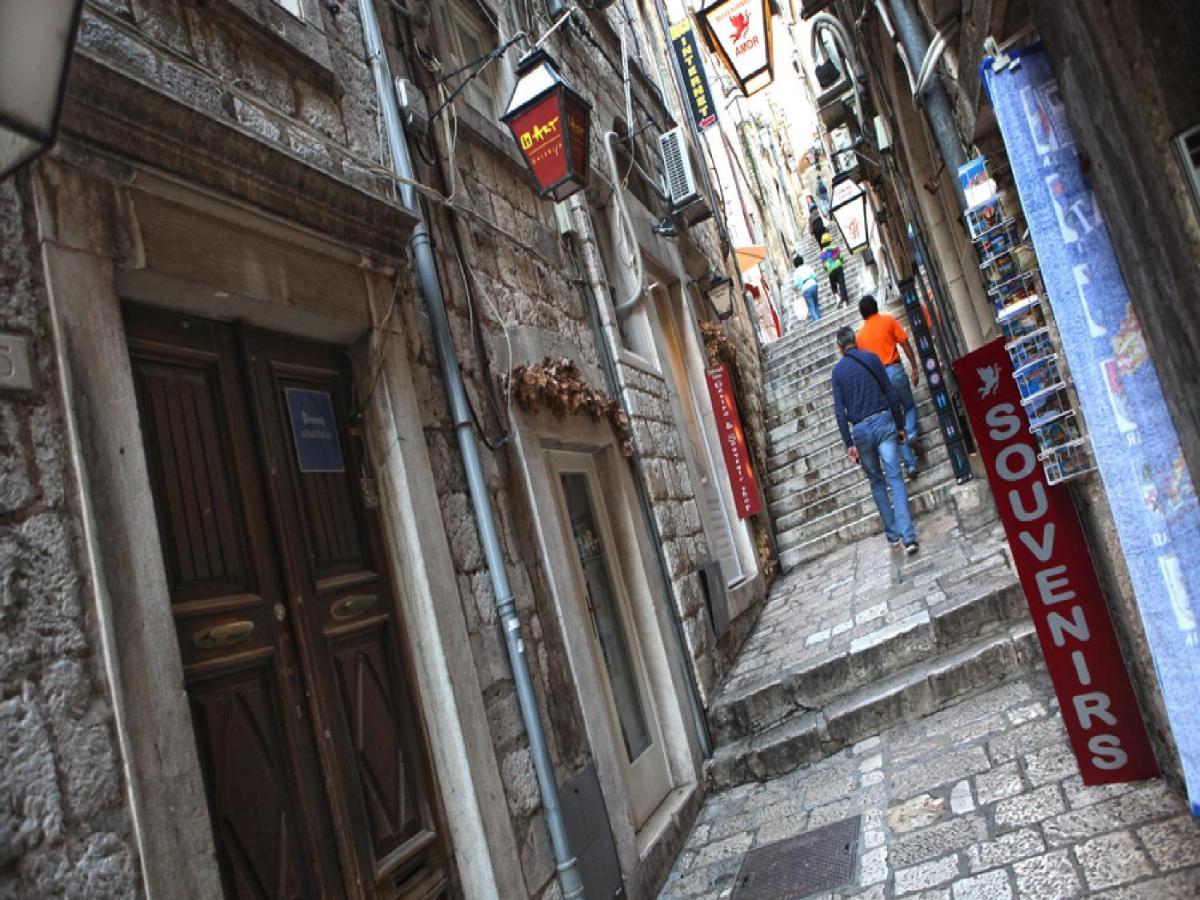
(888, 729)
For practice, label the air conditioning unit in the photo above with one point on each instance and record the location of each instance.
(686, 200)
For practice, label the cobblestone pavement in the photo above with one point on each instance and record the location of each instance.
(823, 607)
(981, 801)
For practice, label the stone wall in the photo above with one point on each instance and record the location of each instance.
(64, 828)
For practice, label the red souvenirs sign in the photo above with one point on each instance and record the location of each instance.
(733, 442)
(1048, 546)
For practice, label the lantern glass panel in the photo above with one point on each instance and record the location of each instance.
(35, 45)
(578, 121)
(539, 135)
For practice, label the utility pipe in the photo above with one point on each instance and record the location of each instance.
(824, 23)
(626, 305)
(421, 250)
(593, 283)
(934, 101)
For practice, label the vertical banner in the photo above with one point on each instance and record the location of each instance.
(919, 327)
(1064, 596)
(1149, 487)
(687, 57)
(733, 442)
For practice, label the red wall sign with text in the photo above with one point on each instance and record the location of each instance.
(1051, 554)
(733, 442)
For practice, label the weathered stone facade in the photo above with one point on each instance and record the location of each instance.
(225, 159)
(65, 829)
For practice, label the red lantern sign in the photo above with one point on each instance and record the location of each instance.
(551, 123)
(739, 31)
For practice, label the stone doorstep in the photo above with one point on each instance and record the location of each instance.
(871, 656)
(799, 494)
(796, 534)
(919, 690)
(860, 528)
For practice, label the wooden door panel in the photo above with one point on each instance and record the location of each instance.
(351, 630)
(237, 722)
(203, 532)
(378, 733)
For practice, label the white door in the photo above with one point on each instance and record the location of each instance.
(616, 647)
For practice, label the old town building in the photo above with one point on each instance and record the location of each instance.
(252, 638)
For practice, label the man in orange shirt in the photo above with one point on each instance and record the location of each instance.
(882, 335)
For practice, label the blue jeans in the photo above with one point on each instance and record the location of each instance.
(879, 453)
(810, 297)
(899, 379)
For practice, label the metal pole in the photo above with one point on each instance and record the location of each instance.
(427, 280)
(934, 101)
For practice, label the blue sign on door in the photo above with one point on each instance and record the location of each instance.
(314, 431)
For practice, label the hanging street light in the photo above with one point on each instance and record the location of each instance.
(849, 203)
(36, 38)
(719, 292)
(550, 122)
(739, 31)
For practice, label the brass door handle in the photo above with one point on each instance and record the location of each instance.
(219, 637)
(354, 605)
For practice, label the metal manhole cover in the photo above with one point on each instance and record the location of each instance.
(818, 860)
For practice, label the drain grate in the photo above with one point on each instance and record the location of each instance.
(818, 860)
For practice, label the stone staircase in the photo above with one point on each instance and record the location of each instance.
(857, 637)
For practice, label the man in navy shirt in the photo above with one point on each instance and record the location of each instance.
(871, 421)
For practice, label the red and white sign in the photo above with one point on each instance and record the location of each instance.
(1051, 554)
(740, 32)
(733, 442)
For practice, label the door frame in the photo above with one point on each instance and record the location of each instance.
(536, 436)
(640, 775)
(86, 278)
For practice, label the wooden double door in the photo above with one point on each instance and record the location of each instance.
(302, 698)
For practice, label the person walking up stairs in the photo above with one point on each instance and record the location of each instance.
(831, 257)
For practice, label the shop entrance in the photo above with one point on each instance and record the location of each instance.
(305, 714)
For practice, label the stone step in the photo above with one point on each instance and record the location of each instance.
(796, 528)
(819, 537)
(811, 436)
(815, 420)
(810, 337)
(874, 654)
(918, 690)
(843, 488)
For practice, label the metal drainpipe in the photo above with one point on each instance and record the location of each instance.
(934, 101)
(427, 279)
(593, 279)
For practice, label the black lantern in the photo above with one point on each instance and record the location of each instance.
(36, 38)
(849, 206)
(739, 31)
(719, 292)
(551, 124)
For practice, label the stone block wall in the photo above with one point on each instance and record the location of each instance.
(64, 829)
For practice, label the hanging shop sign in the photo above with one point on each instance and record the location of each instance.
(733, 442)
(550, 122)
(739, 32)
(691, 66)
(1147, 482)
(849, 207)
(314, 431)
(1051, 556)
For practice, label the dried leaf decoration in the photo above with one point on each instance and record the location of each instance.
(717, 345)
(557, 385)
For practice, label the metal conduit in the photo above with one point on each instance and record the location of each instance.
(427, 280)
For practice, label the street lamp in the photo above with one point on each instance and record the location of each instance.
(849, 202)
(720, 295)
(739, 31)
(36, 37)
(549, 121)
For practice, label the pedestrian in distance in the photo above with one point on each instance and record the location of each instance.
(804, 281)
(831, 258)
(872, 427)
(816, 224)
(882, 335)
